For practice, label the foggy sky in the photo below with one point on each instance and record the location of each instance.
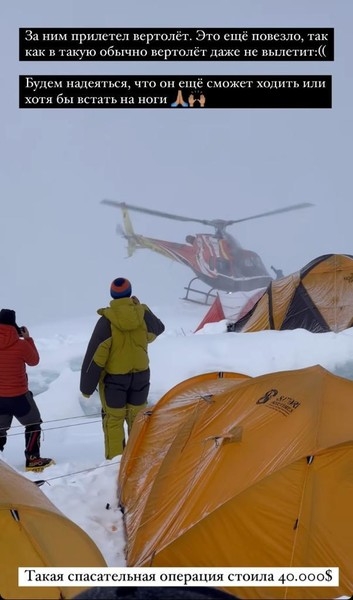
(59, 248)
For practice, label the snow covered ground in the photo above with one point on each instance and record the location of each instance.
(82, 484)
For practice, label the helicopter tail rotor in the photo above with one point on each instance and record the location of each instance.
(131, 244)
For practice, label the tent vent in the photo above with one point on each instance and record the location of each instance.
(296, 524)
(15, 515)
(309, 459)
(234, 435)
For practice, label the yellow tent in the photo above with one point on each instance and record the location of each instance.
(318, 298)
(180, 407)
(34, 533)
(250, 472)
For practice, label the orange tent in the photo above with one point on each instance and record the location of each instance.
(318, 298)
(34, 533)
(244, 472)
(178, 408)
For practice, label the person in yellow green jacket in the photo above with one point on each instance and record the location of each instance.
(117, 361)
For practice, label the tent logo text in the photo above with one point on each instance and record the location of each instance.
(283, 404)
(349, 278)
(265, 398)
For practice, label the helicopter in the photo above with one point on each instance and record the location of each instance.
(217, 259)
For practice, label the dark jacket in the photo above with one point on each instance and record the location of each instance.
(119, 342)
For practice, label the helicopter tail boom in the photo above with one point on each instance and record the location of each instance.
(129, 233)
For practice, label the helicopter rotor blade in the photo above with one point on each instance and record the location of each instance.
(272, 212)
(156, 213)
(217, 223)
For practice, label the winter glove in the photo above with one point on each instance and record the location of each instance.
(86, 395)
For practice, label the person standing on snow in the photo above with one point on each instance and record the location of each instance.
(117, 361)
(15, 398)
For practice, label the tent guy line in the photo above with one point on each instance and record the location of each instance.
(60, 427)
(77, 472)
(65, 419)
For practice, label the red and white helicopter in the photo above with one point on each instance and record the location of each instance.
(217, 259)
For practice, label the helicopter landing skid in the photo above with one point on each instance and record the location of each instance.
(207, 297)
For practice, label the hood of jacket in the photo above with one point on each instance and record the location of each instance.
(8, 336)
(124, 314)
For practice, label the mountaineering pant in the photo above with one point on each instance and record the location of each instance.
(122, 397)
(25, 410)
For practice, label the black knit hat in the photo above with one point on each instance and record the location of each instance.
(8, 317)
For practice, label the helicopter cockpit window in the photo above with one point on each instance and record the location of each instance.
(252, 261)
(252, 265)
(223, 266)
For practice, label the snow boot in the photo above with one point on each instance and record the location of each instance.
(35, 463)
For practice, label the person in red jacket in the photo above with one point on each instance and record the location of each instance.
(17, 349)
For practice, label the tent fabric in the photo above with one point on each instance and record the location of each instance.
(230, 306)
(34, 533)
(177, 410)
(257, 474)
(213, 315)
(318, 298)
